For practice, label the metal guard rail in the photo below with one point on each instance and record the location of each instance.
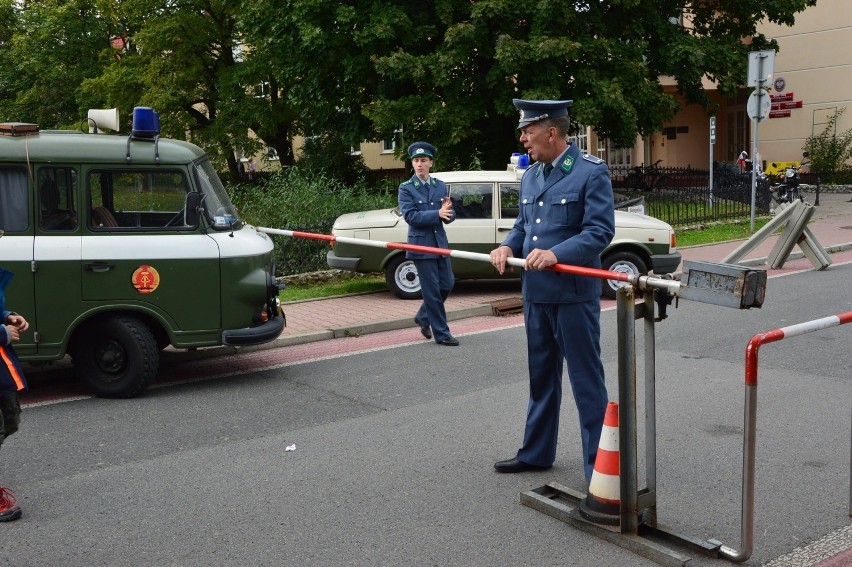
(750, 419)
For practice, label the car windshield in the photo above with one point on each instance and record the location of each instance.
(220, 211)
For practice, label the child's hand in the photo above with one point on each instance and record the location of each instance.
(18, 322)
(12, 333)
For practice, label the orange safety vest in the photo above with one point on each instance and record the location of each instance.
(10, 371)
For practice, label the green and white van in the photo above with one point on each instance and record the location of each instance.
(122, 246)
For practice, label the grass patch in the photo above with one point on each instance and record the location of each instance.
(717, 233)
(344, 284)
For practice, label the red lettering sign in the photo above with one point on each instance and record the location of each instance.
(786, 105)
(779, 113)
(777, 97)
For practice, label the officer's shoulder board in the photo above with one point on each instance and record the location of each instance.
(594, 159)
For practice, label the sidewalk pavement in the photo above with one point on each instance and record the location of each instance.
(355, 315)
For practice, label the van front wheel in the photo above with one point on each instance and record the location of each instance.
(117, 358)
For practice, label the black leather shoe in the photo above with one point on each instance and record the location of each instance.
(424, 329)
(515, 466)
(449, 341)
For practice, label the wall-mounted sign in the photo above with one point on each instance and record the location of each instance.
(779, 84)
(787, 104)
(779, 114)
(777, 97)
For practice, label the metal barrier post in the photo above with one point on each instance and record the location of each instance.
(750, 418)
(627, 410)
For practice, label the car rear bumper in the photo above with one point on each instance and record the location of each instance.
(340, 263)
(665, 263)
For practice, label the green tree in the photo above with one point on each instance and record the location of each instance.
(342, 72)
(47, 49)
(828, 150)
(182, 59)
(316, 58)
(607, 56)
(447, 71)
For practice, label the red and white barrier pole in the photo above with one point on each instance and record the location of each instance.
(642, 282)
(750, 421)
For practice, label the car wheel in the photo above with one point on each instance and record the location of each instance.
(401, 277)
(624, 262)
(117, 358)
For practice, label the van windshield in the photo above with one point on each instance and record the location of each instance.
(220, 212)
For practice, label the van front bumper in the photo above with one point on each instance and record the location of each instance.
(260, 334)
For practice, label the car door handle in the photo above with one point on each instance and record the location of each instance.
(98, 267)
(504, 229)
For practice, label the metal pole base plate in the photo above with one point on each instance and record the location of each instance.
(563, 503)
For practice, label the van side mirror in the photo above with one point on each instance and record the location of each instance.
(192, 210)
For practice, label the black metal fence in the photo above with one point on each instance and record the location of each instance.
(300, 255)
(387, 179)
(682, 196)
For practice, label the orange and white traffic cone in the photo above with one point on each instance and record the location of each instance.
(603, 502)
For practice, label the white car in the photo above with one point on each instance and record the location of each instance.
(486, 206)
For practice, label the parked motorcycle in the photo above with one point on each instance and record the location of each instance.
(788, 189)
(735, 184)
(650, 178)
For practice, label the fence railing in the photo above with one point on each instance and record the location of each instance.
(682, 196)
(300, 255)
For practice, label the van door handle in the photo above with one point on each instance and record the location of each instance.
(504, 229)
(98, 267)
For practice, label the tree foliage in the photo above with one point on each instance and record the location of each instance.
(353, 70)
(46, 51)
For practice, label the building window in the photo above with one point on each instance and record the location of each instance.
(271, 154)
(389, 144)
(581, 139)
(612, 155)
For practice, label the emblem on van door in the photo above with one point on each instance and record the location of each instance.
(145, 279)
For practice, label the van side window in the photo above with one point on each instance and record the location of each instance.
(57, 188)
(123, 200)
(14, 199)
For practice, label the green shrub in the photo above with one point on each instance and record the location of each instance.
(300, 199)
(829, 151)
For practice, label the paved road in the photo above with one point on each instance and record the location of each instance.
(394, 440)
